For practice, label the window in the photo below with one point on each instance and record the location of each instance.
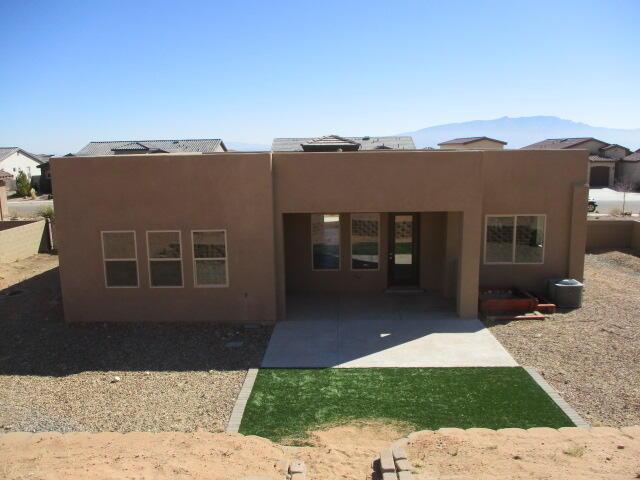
(325, 241)
(210, 258)
(514, 239)
(120, 257)
(365, 243)
(499, 240)
(165, 258)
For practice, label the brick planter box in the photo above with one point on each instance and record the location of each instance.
(495, 301)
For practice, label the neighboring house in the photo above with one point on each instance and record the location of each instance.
(629, 168)
(126, 147)
(251, 231)
(332, 143)
(604, 158)
(472, 143)
(13, 160)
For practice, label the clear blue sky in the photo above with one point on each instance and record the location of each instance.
(75, 71)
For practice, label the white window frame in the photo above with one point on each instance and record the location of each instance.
(105, 259)
(225, 258)
(149, 259)
(339, 242)
(513, 240)
(351, 242)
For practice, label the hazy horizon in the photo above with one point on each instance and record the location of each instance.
(249, 71)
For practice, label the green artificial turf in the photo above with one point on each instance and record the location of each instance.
(287, 403)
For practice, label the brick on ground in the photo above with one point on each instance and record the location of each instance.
(297, 467)
(386, 461)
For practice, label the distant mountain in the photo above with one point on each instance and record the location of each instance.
(522, 131)
(247, 147)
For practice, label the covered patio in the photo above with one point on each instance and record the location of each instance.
(375, 252)
(362, 330)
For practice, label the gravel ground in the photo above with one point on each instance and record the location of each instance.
(56, 376)
(590, 355)
(62, 377)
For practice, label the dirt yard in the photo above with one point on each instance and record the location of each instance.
(336, 453)
(591, 355)
(115, 377)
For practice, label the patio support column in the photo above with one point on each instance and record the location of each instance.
(281, 303)
(451, 256)
(469, 264)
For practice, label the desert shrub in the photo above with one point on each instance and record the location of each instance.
(48, 213)
(23, 184)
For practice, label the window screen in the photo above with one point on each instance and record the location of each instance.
(165, 258)
(325, 241)
(210, 258)
(515, 239)
(120, 259)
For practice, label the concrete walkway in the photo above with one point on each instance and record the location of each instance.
(386, 330)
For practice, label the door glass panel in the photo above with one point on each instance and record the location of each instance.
(365, 230)
(403, 244)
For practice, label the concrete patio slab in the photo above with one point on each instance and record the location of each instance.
(381, 331)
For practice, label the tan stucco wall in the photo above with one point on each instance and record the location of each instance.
(613, 234)
(494, 182)
(409, 181)
(479, 145)
(530, 183)
(179, 192)
(249, 194)
(453, 241)
(433, 244)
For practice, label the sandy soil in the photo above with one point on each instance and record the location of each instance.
(590, 355)
(61, 377)
(14, 273)
(344, 452)
(538, 453)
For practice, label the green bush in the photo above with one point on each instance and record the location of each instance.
(23, 184)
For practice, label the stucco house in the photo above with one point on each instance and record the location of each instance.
(234, 236)
(472, 143)
(14, 160)
(629, 170)
(605, 167)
